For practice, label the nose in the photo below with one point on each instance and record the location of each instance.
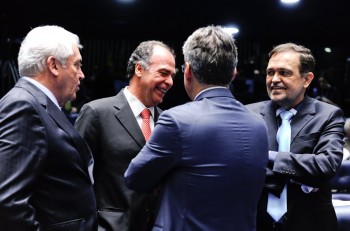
(81, 75)
(169, 81)
(276, 78)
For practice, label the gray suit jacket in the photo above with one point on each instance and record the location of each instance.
(114, 136)
(44, 179)
(315, 155)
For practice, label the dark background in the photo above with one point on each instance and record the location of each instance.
(111, 29)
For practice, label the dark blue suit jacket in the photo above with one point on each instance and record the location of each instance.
(210, 157)
(315, 155)
(44, 177)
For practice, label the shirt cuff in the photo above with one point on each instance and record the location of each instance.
(272, 155)
(308, 189)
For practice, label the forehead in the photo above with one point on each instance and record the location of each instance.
(285, 59)
(162, 55)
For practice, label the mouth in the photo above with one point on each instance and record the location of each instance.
(277, 88)
(164, 91)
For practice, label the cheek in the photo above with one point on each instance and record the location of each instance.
(294, 90)
(75, 76)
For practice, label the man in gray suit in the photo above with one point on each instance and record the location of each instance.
(315, 146)
(111, 127)
(45, 180)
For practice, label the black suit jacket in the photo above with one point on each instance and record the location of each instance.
(315, 155)
(44, 178)
(114, 136)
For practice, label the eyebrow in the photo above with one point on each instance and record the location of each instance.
(164, 70)
(78, 61)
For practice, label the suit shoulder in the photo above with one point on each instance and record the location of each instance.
(253, 116)
(102, 103)
(256, 106)
(323, 106)
(17, 96)
(181, 111)
(260, 103)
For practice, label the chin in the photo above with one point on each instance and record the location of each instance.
(73, 97)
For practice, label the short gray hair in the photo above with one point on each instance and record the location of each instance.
(142, 55)
(41, 43)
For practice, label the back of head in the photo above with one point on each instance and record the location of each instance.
(41, 43)
(212, 55)
(142, 55)
(347, 128)
(307, 60)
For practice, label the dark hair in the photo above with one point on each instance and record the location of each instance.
(307, 60)
(212, 55)
(142, 55)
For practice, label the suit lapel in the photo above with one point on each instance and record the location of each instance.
(303, 116)
(268, 113)
(125, 116)
(60, 118)
(62, 121)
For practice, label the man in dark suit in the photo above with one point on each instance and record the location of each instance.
(45, 180)
(112, 128)
(315, 147)
(208, 156)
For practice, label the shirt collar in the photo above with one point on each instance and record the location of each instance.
(293, 110)
(207, 89)
(136, 105)
(281, 109)
(44, 89)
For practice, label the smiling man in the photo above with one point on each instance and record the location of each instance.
(112, 128)
(314, 153)
(201, 157)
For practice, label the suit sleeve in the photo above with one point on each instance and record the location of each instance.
(23, 148)
(316, 153)
(161, 154)
(86, 125)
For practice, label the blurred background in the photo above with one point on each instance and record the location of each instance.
(111, 29)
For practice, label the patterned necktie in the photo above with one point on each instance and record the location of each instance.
(277, 206)
(145, 126)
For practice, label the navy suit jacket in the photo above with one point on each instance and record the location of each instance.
(44, 177)
(114, 136)
(314, 157)
(210, 157)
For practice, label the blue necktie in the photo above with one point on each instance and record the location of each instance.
(277, 206)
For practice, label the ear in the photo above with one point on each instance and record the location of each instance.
(138, 70)
(188, 75)
(308, 78)
(52, 65)
(234, 74)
